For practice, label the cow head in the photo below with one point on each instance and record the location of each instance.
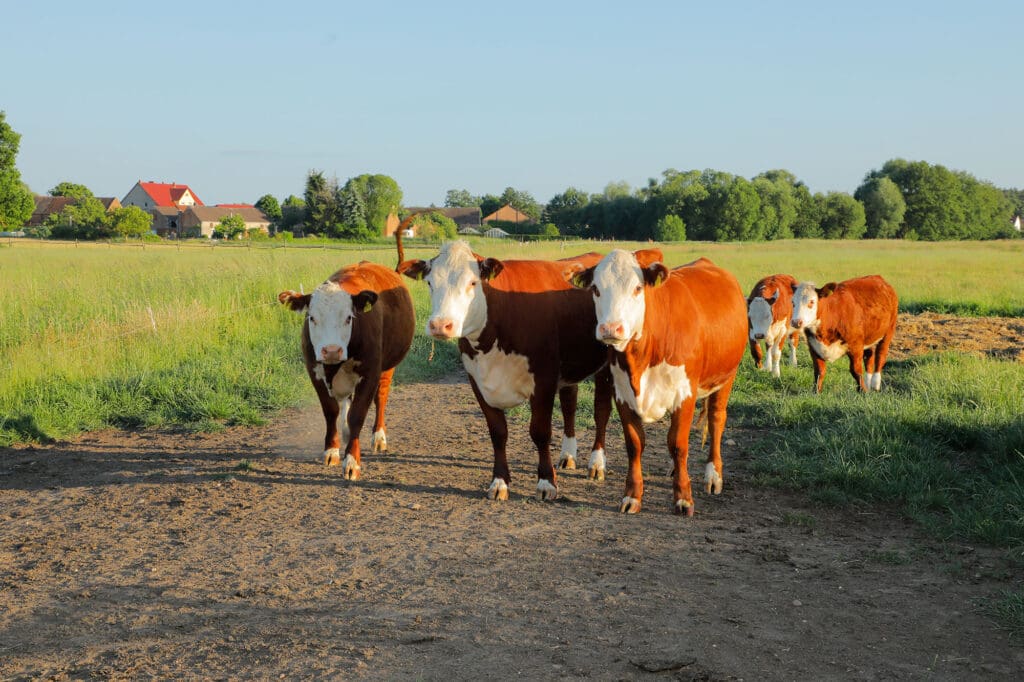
(759, 314)
(455, 277)
(805, 304)
(330, 314)
(618, 284)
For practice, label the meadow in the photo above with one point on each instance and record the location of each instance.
(95, 336)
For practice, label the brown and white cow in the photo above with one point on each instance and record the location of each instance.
(677, 335)
(769, 311)
(524, 334)
(359, 325)
(855, 318)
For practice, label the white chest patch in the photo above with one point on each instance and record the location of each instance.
(777, 331)
(829, 352)
(344, 383)
(662, 388)
(504, 379)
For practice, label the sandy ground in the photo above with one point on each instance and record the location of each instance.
(140, 555)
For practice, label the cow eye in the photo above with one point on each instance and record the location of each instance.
(473, 284)
(348, 320)
(312, 320)
(639, 290)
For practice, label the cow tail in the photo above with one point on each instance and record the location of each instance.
(398, 236)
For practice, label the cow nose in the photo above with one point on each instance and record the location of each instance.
(797, 323)
(611, 330)
(331, 354)
(758, 336)
(440, 327)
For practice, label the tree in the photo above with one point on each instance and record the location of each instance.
(16, 200)
(489, 204)
(670, 228)
(521, 200)
(460, 198)
(436, 226)
(268, 204)
(321, 203)
(884, 207)
(808, 213)
(293, 213)
(231, 226)
(566, 211)
(130, 221)
(778, 211)
(70, 189)
(739, 207)
(842, 216)
(84, 218)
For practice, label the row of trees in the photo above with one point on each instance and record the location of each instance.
(87, 218)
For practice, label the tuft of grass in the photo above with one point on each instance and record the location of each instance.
(245, 465)
(1008, 612)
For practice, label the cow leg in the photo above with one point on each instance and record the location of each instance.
(567, 397)
(360, 406)
(794, 341)
(497, 427)
(678, 451)
(776, 357)
(633, 431)
(755, 352)
(856, 355)
(870, 357)
(329, 406)
(718, 403)
(542, 403)
(881, 353)
(819, 371)
(380, 401)
(602, 412)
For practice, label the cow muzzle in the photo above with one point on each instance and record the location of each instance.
(611, 332)
(332, 354)
(759, 336)
(441, 328)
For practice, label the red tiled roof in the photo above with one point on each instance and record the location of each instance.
(168, 194)
(235, 205)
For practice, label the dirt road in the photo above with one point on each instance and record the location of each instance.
(238, 555)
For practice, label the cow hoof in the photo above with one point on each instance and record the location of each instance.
(712, 480)
(332, 457)
(498, 490)
(350, 468)
(596, 465)
(546, 490)
(380, 442)
(567, 460)
(684, 507)
(629, 505)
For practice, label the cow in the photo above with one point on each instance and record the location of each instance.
(855, 318)
(524, 334)
(358, 326)
(769, 311)
(676, 336)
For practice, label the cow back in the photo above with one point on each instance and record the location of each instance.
(863, 307)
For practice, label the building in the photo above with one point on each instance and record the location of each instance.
(47, 205)
(201, 221)
(462, 216)
(149, 195)
(508, 214)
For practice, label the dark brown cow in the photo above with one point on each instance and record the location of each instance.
(855, 318)
(677, 335)
(359, 325)
(769, 311)
(524, 335)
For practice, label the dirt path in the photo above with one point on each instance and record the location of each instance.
(238, 555)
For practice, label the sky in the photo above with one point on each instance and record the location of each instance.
(239, 100)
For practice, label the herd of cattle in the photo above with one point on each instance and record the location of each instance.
(658, 339)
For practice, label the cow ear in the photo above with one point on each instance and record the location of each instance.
(644, 257)
(490, 267)
(414, 269)
(294, 300)
(655, 274)
(364, 300)
(827, 289)
(578, 276)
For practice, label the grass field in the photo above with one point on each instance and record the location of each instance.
(93, 336)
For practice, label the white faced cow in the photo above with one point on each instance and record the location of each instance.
(769, 311)
(855, 318)
(359, 325)
(524, 335)
(677, 335)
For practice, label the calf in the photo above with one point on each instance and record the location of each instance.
(855, 318)
(359, 325)
(524, 335)
(676, 336)
(769, 310)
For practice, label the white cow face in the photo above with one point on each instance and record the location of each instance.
(330, 314)
(455, 277)
(759, 312)
(805, 305)
(619, 283)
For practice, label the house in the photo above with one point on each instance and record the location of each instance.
(509, 215)
(47, 206)
(1018, 221)
(166, 201)
(201, 221)
(462, 216)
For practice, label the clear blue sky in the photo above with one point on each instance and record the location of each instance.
(243, 99)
